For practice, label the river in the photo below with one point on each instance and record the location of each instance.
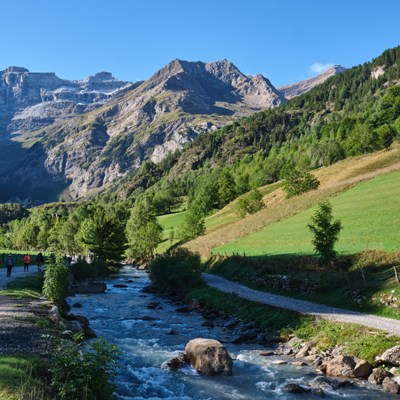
(150, 337)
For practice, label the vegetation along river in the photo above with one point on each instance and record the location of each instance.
(144, 337)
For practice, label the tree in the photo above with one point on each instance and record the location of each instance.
(104, 235)
(250, 203)
(326, 232)
(143, 230)
(227, 188)
(298, 182)
(193, 224)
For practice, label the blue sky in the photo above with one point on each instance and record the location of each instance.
(134, 38)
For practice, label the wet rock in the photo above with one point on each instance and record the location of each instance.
(232, 324)
(208, 324)
(149, 289)
(148, 318)
(378, 375)
(90, 287)
(194, 305)
(362, 369)
(339, 366)
(153, 305)
(299, 363)
(129, 281)
(208, 357)
(177, 362)
(120, 285)
(184, 309)
(293, 388)
(390, 386)
(77, 305)
(245, 338)
(318, 392)
(390, 357)
(267, 353)
(279, 362)
(211, 315)
(172, 332)
(324, 383)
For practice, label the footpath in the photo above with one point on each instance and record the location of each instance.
(389, 325)
(20, 332)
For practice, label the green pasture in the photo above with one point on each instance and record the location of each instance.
(370, 216)
(170, 223)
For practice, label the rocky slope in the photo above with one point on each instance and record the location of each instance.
(79, 136)
(297, 88)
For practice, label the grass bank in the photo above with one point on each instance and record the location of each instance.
(357, 340)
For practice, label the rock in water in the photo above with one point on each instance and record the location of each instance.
(209, 357)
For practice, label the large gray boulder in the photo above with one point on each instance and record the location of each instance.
(390, 357)
(208, 357)
(339, 366)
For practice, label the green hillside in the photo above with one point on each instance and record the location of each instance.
(370, 215)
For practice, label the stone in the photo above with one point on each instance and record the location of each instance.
(184, 309)
(362, 369)
(177, 362)
(172, 332)
(390, 386)
(148, 318)
(339, 366)
(77, 305)
(208, 324)
(119, 285)
(293, 388)
(318, 392)
(90, 287)
(378, 375)
(208, 357)
(390, 357)
(153, 305)
(299, 363)
(279, 362)
(266, 353)
(245, 338)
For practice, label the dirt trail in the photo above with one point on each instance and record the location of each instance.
(20, 332)
(389, 325)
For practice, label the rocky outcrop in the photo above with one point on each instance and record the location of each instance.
(208, 357)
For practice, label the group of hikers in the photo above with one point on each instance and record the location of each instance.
(10, 263)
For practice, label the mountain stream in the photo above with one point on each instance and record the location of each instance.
(150, 337)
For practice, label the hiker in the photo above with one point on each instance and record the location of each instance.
(9, 264)
(39, 262)
(27, 261)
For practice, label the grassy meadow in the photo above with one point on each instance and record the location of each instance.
(370, 216)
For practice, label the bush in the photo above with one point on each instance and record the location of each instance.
(178, 271)
(298, 182)
(250, 203)
(84, 376)
(56, 279)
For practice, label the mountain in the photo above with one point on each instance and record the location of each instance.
(297, 88)
(81, 136)
(29, 101)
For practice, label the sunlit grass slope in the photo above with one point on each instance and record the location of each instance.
(370, 215)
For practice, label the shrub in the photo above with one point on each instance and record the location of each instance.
(250, 203)
(178, 271)
(298, 182)
(56, 279)
(89, 375)
(82, 270)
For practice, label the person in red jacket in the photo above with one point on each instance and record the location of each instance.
(27, 261)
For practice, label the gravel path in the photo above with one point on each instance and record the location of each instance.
(16, 272)
(389, 325)
(19, 332)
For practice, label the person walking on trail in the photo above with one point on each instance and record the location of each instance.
(27, 261)
(39, 261)
(9, 264)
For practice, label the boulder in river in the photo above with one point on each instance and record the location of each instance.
(209, 357)
(378, 375)
(339, 366)
(390, 386)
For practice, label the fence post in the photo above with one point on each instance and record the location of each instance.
(363, 277)
(397, 275)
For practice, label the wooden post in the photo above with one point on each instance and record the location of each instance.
(396, 274)
(363, 277)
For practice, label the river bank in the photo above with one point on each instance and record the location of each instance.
(151, 329)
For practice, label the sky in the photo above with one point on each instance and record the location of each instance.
(285, 40)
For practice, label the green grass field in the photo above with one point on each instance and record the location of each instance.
(369, 212)
(170, 223)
